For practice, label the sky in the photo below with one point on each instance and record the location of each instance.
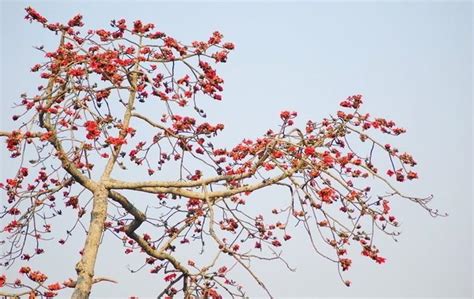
(412, 61)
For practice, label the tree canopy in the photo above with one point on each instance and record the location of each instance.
(128, 97)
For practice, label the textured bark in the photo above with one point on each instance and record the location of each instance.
(85, 267)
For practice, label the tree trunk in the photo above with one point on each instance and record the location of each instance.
(85, 267)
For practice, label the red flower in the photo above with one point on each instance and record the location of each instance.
(412, 175)
(380, 260)
(46, 136)
(170, 277)
(277, 154)
(400, 177)
(92, 129)
(386, 207)
(34, 15)
(76, 21)
(345, 264)
(11, 226)
(79, 72)
(341, 251)
(73, 202)
(37, 276)
(3, 279)
(327, 194)
(229, 46)
(276, 243)
(13, 140)
(12, 182)
(212, 294)
(54, 287)
(309, 151)
(14, 211)
(216, 38)
(286, 115)
(50, 294)
(341, 114)
(115, 140)
(220, 56)
(269, 166)
(345, 104)
(102, 94)
(328, 159)
(104, 35)
(146, 237)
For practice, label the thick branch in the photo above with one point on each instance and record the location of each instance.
(85, 267)
(215, 194)
(31, 134)
(135, 224)
(117, 184)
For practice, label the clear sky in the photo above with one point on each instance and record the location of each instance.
(412, 61)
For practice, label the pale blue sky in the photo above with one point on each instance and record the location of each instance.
(412, 62)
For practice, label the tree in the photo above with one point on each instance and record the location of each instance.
(93, 120)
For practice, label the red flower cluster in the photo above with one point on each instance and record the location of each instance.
(37, 276)
(211, 293)
(286, 115)
(345, 263)
(33, 15)
(352, 102)
(220, 56)
(309, 151)
(216, 38)
(116, 140)
(276, 243)
(46, 136)
(12, 226)
(93, 131)
(13, 142)
(77, 72)
(49, 294)
(138, 27)
(76, 21)
(229, 46)
(328, 159)
(373, 254)
(54, 287)
(412, 175)
(170, 277)
(206, 128)
(327, 194)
